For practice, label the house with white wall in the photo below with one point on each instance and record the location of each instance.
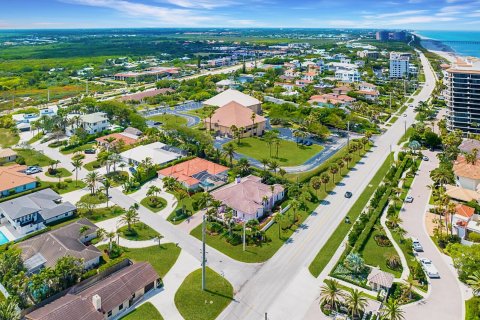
(467, 175)
(92, 123)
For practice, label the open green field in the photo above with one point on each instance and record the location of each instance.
(195, 304)
(34, 158)
(8, 138)
(145, 312)
(331, 246)
(289, 154)
(169, 119)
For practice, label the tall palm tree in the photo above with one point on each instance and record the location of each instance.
(316, 184)
(325, 179)
(474, 282)
(130, 217)
(77, 165)
(91, 180)
(347, 158)
(243, 166)
(229, 151)
(340, 164)
(273, 165)
(277, 142)
(330, 293)
(333, 170)
(265, 163)
(391, 310)
(295, 205)
(356, 302)
(107, 184)
(182, 195)
(253, 117)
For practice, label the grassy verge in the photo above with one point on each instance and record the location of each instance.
(34, 158)
(8, 138)
(169, 119)
(331, 246)
(393, 119)
(36, 137)
(79, 148)
(65, 186)
(177, 216)
(375, 255)
(139, 232)
(61, 173)
(97, 198)
(93, 165)
(145, 311)
(102, 214)
(472, 309)
(407, 135)
(153, 203)
(195, 304)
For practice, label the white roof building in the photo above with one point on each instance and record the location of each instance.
(158, 152)
(230, 95)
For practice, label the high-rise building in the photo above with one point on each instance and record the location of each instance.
(382, 35)
(463, 96)
(399, 63)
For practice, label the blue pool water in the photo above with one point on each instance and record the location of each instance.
(3, 238)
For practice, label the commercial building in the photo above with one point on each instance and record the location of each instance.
(247, 122)
(230, 95)
(368, 54)
(463, 96)
(399, 64)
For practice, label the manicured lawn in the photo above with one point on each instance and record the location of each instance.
(289, 154)
(34, 158)
(169, 119)
(117, 177)
(154, 203)
(374, 255)
(8, 138)
(139, 232)
(328, 250)
(162, 258)
(189, 207)
(195, 304)
(61, 173)
(393, 119)
(97, 198)
(101, 214)
(145, 312)
(93, 165)
(66, 186)
(79, 148)
(472, 309)
(36, 137)
(407, 135)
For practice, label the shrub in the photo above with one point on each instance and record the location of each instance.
(68, 180)
(382, 240)
(20, 160)
(474, 237)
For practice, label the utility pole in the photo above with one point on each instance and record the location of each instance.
(405, 126)
(390, 100)
(244, 224)
(348, 133)
(203, 254)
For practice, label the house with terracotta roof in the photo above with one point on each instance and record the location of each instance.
(7, 155)
(248, 197)
(235, 114)
(461, 218)
(331, 99)
(14, 180)
(343, 90)
(108, 297)
(197, 173)
(467, 175)
(230, 95)
(127, 138)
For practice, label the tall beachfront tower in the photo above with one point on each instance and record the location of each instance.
(463, 96)
(399, 64)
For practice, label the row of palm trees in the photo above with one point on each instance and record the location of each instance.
(333, 297)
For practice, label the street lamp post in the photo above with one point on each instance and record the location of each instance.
(203, 254)
(244, 224)
(348, 134)
(405, 122)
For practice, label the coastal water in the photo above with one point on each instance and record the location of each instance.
(459, 41)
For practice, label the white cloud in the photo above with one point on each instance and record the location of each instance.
(418, 20)
(202, 4)
(395, 14)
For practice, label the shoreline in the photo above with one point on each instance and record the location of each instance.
(439, 48)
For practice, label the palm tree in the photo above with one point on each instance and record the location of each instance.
(356, 302)
(333, 170)
(77, 164)
(325, 179)
(110, 236)
(316, 183)
(265, 163)
(391, 310)
(229, 151)
(107, 184)
(9, 310)
(91, 180)
(273, 165)
(159, 238)
(347, 158)
(277, 142)
(282, 172)
(243, 166)
(170, 184)
(393, 260)
(340, 164)
(253, 117)
(122, 165)
(130, 217)
(474, 282)
(182, 195)
(330, 293)
(295, 205)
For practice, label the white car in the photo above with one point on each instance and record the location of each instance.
(429, 268)
(409, 199)
(417, 247)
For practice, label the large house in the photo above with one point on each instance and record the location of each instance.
(467, 175)
(463, 220)
(249, 197)
(31, 212)
(196, 173)
(14, 180)
(115, 138)
(107, 298)
(92, 123)
(331, 99)
(71, 240)
(235, 114)
(230, 95)
(159, 153)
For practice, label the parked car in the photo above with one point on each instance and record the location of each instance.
(308, 143)
(348, 194)
(429, 268)
(90, 151)
(417, 247)
(425, 158)
(409, 199)
(404, 115)
(33, 170)
(132, 170)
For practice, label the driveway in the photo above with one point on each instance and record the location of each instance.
(444, 301)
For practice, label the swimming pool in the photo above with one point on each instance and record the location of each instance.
(3, 238)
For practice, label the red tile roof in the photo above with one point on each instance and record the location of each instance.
(464, 210)
(234, 113)
(12, 177)
(185, 171)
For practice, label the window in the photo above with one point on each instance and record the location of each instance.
(120, 307)
(109, 314)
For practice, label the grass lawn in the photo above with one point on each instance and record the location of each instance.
(195, 304)
(393, 119)
(117, 177)
(66, 186)
(154, 203)
(169, 119)
(61, 173)
(472, 309)
(145, 311)
(8, 138)
(34, 158)
(93, 165)
(140, 231)
(374, 255)
(289, 154)
(407, 135)
(79, 148)
(101, 214)
(328, 250)
(188, 202)
(97, 198)
(162, 258)
(36, 137)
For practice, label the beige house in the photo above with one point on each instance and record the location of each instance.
(230, 95)
(7, 155)
(380, 280)
(235, 114)
(467, 175)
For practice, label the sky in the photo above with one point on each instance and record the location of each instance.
(394, 14)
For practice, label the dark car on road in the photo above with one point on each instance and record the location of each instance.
(348, 194)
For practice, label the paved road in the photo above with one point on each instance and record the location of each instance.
(283, 287)
(447, 288)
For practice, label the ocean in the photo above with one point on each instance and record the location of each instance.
(457, 40)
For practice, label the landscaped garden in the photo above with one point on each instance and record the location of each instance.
(186, 206)
(154, 203)
(100, 214)
(96, 198)
(92, 165)
(80, 148)
(138, 232)
(146, 311)
(193, 303)
(58, 173)
(289, 152)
